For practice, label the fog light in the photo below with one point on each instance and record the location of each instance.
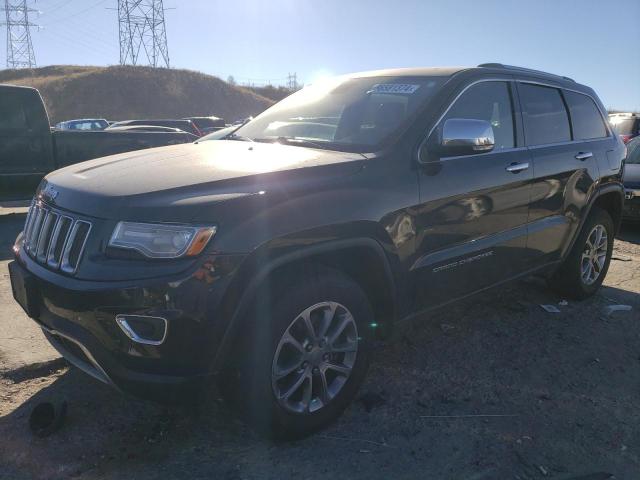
(143, 329)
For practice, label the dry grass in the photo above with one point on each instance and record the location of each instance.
(125, 92)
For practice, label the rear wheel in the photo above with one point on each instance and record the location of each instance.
(307, 353)
(585, 268)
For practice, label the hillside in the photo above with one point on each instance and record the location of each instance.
(126, 92)
(273, 93)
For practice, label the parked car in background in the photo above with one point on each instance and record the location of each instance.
(632, 181)
(30, 148)
(149, 128)
(207, 124)
(242, 121)
(273, 263)
(184, 125)
(84, 124)
(627, 125)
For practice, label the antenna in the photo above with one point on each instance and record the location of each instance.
(19, 47)
(142, 31)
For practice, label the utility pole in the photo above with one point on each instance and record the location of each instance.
(19, 47)
(142, 32)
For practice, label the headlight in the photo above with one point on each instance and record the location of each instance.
(161, 240)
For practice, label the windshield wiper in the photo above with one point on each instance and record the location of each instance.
(296, 141)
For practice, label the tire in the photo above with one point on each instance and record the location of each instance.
(571, 279)
(278, 315)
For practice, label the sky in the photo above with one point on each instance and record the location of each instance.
(596, 42)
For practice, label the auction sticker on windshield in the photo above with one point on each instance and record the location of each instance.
(403, 88)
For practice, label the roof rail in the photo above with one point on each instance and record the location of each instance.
(524, 70)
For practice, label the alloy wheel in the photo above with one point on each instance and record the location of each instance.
(594, 255)
(314, 357)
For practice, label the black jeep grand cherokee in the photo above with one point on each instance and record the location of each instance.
(273, 258)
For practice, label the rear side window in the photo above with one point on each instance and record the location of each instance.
(489, 101)
(545, 116)
(585, 117)
(12, 114)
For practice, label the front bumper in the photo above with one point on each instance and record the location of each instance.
(79, 320)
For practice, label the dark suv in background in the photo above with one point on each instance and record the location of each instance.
(274, 258)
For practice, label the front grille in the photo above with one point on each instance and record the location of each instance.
(55, 239)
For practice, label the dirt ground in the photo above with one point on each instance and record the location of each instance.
(493, 388)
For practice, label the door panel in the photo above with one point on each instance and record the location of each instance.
(560, 193)
(472, 220)
(471, 230)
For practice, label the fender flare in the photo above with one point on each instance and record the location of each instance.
(603, 190)
(270, 266)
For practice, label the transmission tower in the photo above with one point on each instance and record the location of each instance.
(292, 81)
(142, 32)
(19, 47)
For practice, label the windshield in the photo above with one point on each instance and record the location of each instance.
(352, 114)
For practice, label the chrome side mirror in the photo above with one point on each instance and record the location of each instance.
(465, 136)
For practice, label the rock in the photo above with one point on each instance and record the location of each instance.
(550, 308)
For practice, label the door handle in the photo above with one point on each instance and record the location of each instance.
(517, 167)
(582, 156)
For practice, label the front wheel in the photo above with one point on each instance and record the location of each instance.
(307, 354)
(585, 268)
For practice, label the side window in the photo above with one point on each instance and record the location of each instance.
(12, 115)
(585, 117)
(490, 101)
(545, 116)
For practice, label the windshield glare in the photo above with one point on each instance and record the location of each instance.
(354, 114)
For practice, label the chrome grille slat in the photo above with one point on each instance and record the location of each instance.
(53, 260)
(28, 221)
(67, 264)
(35, 229)
(54, 239)
(45, 236)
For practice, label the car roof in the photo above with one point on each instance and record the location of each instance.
(210, 117)
(497, 68)
(85, 120)
(17, 87)
(409, 72)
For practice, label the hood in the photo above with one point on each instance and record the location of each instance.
(188, 175)
(632, 175)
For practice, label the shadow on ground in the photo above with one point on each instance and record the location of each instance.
(630, 232)
(10, 226)
(561, 390)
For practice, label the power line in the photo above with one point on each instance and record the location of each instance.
(64, 17)
(142, 30)
(19, 46)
